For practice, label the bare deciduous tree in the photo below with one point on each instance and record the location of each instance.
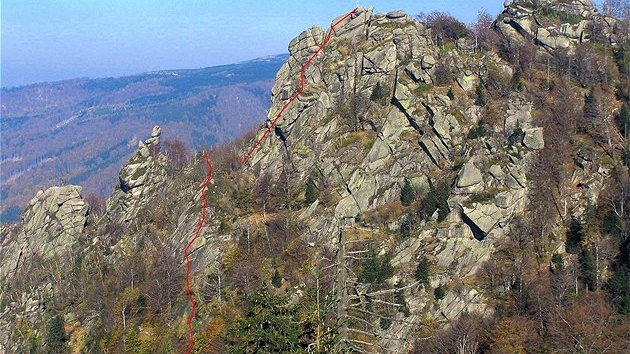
(177, 153)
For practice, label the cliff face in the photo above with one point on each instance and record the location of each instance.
(371, 118)
(399, 184)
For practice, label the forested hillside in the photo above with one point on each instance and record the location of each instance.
(82, 131)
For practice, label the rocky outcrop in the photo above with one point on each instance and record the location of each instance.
(553, 24)
(362, 144)
(142, 175)
(51, 231)
(51, 225)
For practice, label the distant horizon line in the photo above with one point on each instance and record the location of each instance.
(151, 72)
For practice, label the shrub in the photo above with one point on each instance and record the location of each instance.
(450, 93)
(439, 293)
(444, 26)
(478, 131)
(408, 224)
(562, 16)
(442, 75)
(177, 153)
(591, 110)
(423, 88)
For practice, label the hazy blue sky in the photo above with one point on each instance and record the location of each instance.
(47, 40)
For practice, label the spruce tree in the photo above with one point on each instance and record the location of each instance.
(407, 194)
(575, 235)
(623, 120)
(481, 97)
(270, 324)
(422, 271)
(588, 274)
(56, 336)
(310, 195)
(516, 82)
(276, 280)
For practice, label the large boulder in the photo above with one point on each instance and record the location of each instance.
(534, 138)
(355, 26)
(382, 61)
(469, 175)
(482, 217)
(307, 43)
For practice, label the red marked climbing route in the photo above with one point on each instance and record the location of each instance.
(192, 240)
(294, 97)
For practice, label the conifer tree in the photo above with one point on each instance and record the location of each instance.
(422, 271)
(407, 194)
(311, 192)
(270, 324)
(575, 235)
(56, 336)
(481, 97)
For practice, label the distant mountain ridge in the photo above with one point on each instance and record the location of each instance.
(82, 130)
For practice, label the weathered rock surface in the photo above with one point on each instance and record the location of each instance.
(363, 149)
(554, 24)
(469, 176)
(51, 225)
(142, 175)
(483, 216)
(534, 138)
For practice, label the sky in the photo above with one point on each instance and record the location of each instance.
(50, 40)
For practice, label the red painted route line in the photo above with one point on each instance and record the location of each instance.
(273, 123)
(192, 240)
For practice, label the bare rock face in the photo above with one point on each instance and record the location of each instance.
(141, 176)
(369, 120)
(534, 138)
(51, 225)
(469, 176)
(554, 24)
